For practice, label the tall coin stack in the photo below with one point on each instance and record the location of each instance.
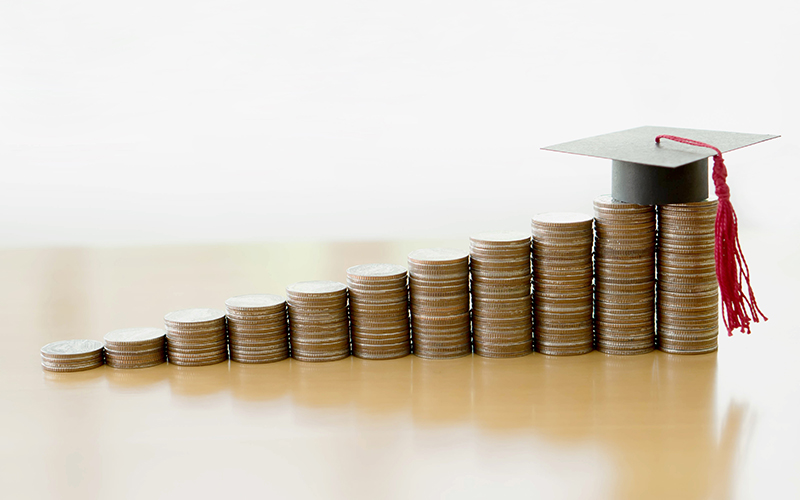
(196, 337)
(379, 311)
(500, 265)
(562, 283)
(257, 328)
(439, 286)
(687, 297)
(135, 347)
(319, 327)
(72, 355)
(625, 276)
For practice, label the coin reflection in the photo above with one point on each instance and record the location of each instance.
(323, 384)
(137, 377)
(260, 381)
(75, 379)
(441, 390)
(382, 387)
(197, 380)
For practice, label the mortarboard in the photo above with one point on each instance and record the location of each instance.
(648, 173)
(646, 170)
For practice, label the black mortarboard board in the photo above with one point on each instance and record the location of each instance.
(647, 173)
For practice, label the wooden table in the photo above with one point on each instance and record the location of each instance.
(657, 425)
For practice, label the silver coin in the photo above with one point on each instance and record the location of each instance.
(135, 335)
(437, 256)
(377, 271)
(69, 348)
(195, 316)
(255, 301)
(316, 287)
(556, 218)
(509, 237)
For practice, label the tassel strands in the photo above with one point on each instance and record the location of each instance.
(738, 308)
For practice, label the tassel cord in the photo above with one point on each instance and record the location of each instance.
(733, 273)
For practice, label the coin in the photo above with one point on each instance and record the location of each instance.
(190, 317)
(72, 355)
(68, 349)
(437, 256)
(377, 273)
(429, 352)
(253, 303)
(135, 347)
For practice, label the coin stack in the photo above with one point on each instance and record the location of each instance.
(687, 294)
(135, 347)
(72, 355)
(439, 290)
(500, 265)
(562, 283)
(625, 276)
(379, 311)
(257, 328)
(196, 337)
(318, 321)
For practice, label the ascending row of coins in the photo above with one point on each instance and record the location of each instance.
(321, 323)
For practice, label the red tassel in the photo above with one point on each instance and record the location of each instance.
(732, 270)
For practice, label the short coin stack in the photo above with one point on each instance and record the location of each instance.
(439, 286)
(562, 283)
(257, 328)
(625, 276)
(72, 355)
(500, 265)
(196, 337)
(135, 347)
(318, 321)
(687, 298)
(379, 311)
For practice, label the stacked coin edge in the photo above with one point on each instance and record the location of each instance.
(500, 271)
(258, 331)
(196, 337)
(379, 318)
(687, 292)
(439, 303)
(625, 269)
(562, 283)
(319, 323)
(135, 347)
(72, 355)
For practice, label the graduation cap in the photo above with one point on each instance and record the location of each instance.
(664, 165)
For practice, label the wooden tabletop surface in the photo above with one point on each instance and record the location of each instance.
(722, 425)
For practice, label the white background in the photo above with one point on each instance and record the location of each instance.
(185, 121)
